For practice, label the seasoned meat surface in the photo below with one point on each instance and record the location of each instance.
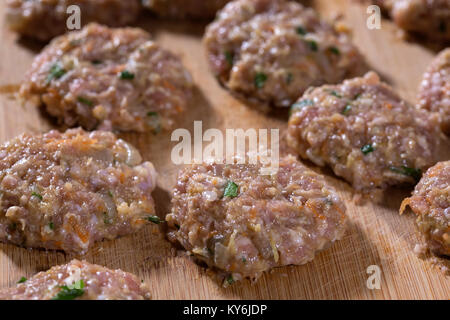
(429, 18)
(66, 191)
(196, 9)
(243, 223)
(434, 92)
(365, 132)
(271, 51)
(78, 280)
(109, 79)
(45, 19)
(430, 201)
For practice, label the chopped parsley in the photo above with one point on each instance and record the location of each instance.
(51, 225)
(85, 101)
(407, 171)
(335, 51)
(301, 104)
(230, 279)
(334, 93)
(154, 219)
(56, 72)
(70, 292)
(368, 148)
(260, 80)
(37, 195)
(126, 75)
(300, 30)
(244, 260)
(289, 78)
(154, 121)
(346, 109)
(313, 45)
(229, 57)
(106, 218)
(22, 280)
(110, 194)
(231, 190)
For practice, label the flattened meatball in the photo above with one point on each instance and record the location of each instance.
(271, 51)
(110, 79)
(45, 19)
(243, 223)
(365, 132)
(196, 9)
(429, 18)
(430, 201)
(66, 191)
(78, 280)
(434, 92)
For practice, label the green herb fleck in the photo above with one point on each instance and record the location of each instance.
(244, 260)
(229, 57)
(289, 78)
(346, 109)
(154, 219)
(368, 148)
(110, 194)
(51, 225)
(85, 101)
(126, 75)
(260, 80)
(37, 195)
(70, 292)
(230, 279)
(313, 45)
(97, 62)
(335, 51)
(298, 105)
(56, 72)
(231, 190)
(300, 30)
(154, 121)
(356, 97)
(22, 280)
(334, 93)
(411, 172)
(106, 218)
(177, 226)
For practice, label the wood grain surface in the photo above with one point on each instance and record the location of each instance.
(377, 234)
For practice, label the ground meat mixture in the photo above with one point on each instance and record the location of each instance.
(110, 79)
(78, 280)
(430, 18)
(271, 51)
(67, 191)
(197, 9)
(430, 201)
(434, 92)
(242, 223)
(45, 19)
(365, 132)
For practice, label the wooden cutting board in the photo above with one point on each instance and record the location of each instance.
(377, 235)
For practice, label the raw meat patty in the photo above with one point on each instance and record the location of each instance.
(434, 92)
(45, 19)
(430, 18)
(66, 191)
(110, 79)
(430, 201)
(78, 280)
(271, 51)
(197, 9)
(365, 132)
(243, 223)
